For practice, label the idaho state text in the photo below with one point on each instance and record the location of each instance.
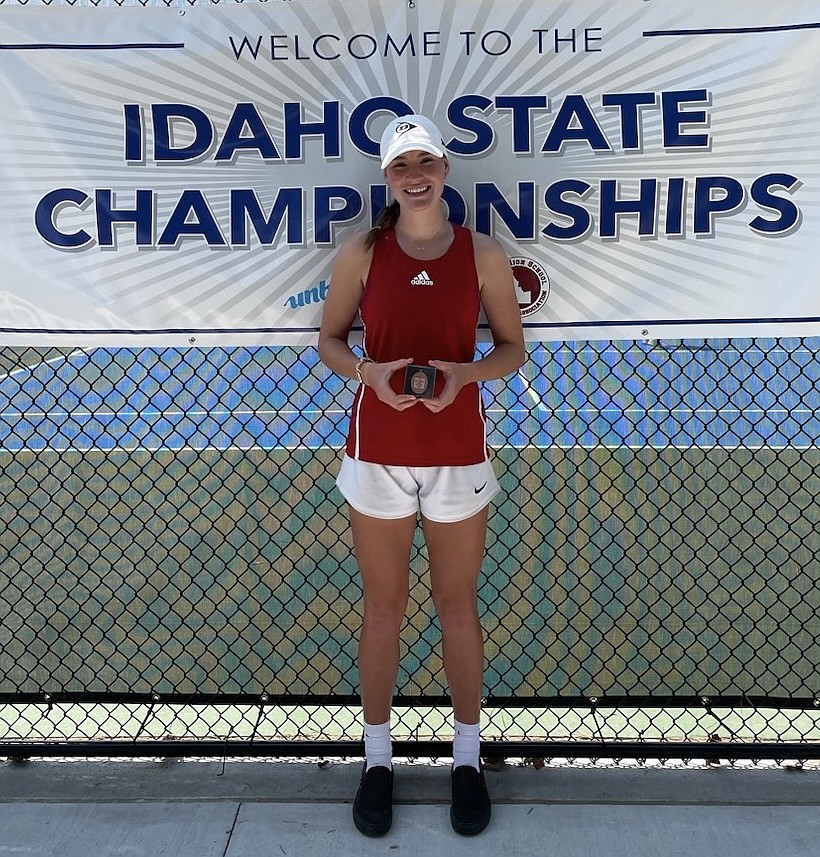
(572, 208)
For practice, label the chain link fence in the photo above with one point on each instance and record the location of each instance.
(177, 566)
(178, 578)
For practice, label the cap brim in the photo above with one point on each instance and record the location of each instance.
(409, 146)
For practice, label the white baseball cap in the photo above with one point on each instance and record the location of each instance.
(410, 133)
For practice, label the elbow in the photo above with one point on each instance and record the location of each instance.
(330, 349)
(514, 355)
(324, 346)
(325, 351)
(518, 355)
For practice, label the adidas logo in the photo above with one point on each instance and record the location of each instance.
(421, 279)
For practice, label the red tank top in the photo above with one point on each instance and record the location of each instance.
(427, 310)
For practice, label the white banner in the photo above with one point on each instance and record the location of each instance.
(180, 175)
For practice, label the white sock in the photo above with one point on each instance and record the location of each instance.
(378, 749)
(466, 744)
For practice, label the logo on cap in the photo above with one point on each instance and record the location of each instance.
(404, 127)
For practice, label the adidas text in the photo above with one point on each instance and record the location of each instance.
(422, 279)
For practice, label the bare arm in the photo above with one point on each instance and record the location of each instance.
(346, 287)
(501, 308)
(342, 304)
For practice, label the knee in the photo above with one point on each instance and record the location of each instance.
(385, 615)
(457, 611)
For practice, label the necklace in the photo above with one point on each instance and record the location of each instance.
(421, 247)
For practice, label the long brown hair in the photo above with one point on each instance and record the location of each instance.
(387, 218)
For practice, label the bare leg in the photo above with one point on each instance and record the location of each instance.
(383, 556)
(456, 552)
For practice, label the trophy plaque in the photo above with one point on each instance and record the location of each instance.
(419, 381)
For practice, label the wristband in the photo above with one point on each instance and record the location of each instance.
(359, 365)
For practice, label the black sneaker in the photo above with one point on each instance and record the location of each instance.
(373, 806)
(470, 809)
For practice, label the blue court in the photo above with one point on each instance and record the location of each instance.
(728, 393)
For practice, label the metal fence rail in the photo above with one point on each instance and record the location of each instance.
(177, 568)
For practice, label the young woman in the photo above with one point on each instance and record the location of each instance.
(418, 282)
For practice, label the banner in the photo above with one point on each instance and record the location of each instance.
(184, 175)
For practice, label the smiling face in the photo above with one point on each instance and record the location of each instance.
(417, 179)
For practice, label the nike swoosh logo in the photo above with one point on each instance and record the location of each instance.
(479, 490)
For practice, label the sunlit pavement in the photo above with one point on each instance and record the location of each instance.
(94, 808)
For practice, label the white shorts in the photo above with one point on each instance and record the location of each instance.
(443, 494)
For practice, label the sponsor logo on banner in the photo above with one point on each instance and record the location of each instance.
(532, 284)
(315, 295)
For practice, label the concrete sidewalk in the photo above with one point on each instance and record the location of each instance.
(197, 809)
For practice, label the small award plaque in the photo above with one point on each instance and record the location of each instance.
(420, 381)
